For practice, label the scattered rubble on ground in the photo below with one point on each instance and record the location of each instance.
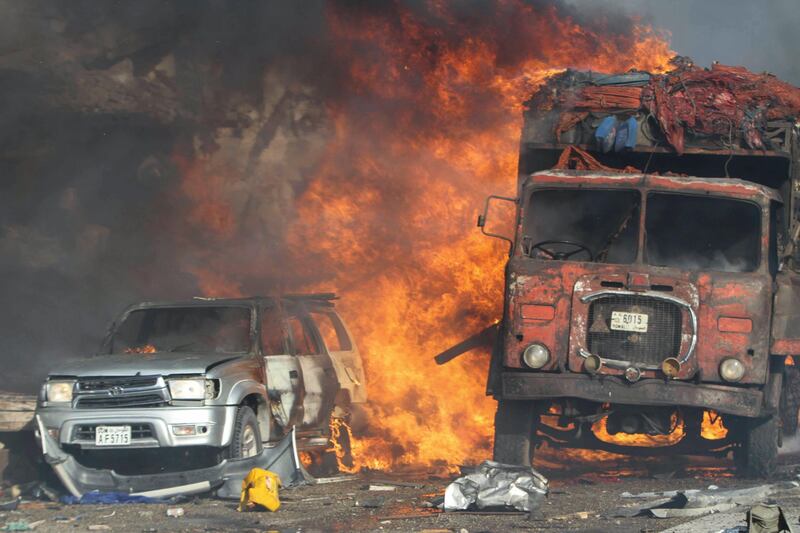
(346, 502)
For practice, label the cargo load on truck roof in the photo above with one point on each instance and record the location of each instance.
(721, 108)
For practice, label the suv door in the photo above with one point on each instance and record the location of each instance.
(284, 378)
(319, 377)
(344, 354)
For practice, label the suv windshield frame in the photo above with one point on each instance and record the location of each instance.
(112, 338)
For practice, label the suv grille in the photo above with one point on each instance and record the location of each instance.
(117, 392)
(99, 384)
(87, 432)
(661, 340)
(128, 400)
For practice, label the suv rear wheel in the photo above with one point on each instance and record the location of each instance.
(246, 440)
(514, 432)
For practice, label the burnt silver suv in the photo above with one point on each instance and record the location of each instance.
(186, 385)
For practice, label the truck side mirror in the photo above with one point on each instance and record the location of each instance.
(482, 218)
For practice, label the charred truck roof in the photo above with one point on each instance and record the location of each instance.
(651, 282)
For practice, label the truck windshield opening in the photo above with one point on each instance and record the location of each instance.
(702, 233)
(582, 225)
(184, 329)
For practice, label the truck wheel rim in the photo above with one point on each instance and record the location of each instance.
(248, 442)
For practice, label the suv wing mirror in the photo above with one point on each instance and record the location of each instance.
(482, 219)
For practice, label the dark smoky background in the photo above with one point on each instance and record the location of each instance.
(105, 106)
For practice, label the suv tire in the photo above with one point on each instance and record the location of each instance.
(758, 446)
(514, 432)
(246, 440)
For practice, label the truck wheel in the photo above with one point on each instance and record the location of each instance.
(758, 449)
(514, 432)
(246, 440)
(790, 400)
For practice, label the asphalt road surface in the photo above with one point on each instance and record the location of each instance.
(582, 492)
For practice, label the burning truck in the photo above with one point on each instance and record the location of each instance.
(652, 277)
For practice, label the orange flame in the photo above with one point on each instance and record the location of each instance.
(639, 439)
(427, 126)
(712, 427)
(147, 348)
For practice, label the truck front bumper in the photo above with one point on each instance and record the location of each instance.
(155, 426)
(721, 398)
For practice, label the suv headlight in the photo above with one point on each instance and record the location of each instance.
(59, 391)
(191, 389)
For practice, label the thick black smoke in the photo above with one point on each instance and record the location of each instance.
(103, 105)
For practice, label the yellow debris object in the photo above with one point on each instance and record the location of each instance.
(260, 489)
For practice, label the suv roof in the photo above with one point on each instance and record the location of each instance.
(323, 298)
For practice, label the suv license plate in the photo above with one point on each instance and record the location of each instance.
(112, 435)
(622, 321)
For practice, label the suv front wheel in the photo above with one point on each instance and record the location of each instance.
(246, 440)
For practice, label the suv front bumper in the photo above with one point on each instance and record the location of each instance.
(224, 478)
(71, 425)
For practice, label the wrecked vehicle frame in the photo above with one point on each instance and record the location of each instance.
(646, 299)
(195, 391)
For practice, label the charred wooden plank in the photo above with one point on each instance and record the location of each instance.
(16, 411)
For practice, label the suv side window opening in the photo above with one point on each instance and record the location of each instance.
(274, 340)
(332, 330)
(304, 341)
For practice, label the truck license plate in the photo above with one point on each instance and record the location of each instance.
(112, 435)
(622, 321)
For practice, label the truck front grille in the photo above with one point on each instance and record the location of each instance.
(87, 432)
(661, 340)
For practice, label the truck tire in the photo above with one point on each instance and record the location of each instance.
(246, 440)
(514, 432)
(790, 400)
(758, 449)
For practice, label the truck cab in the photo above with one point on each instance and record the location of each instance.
(646, 289)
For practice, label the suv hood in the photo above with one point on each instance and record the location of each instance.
(144, 364)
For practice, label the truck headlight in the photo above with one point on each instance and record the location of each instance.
(191, 388)
(59, 391)
(536, 355)
(731, 369)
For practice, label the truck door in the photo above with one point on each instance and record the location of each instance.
(284, 378)
(319, 377)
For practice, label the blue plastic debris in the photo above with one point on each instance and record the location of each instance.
(626, 135)
(606, 133)
(96, 497)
